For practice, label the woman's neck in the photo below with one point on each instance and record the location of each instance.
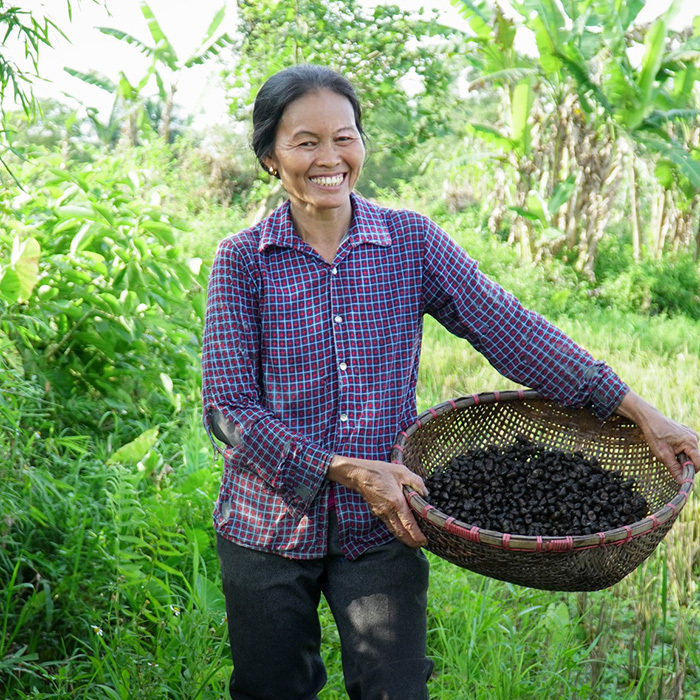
(323, 230)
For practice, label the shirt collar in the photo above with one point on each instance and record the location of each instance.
(367, 226)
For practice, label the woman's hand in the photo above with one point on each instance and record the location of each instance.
(666, 437)
(381, 485)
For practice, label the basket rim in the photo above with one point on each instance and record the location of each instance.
(529, 543)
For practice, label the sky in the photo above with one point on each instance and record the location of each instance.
(185, 24)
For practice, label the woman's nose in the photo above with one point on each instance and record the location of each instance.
(327, 154)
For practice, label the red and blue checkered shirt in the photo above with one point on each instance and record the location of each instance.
(309, 359)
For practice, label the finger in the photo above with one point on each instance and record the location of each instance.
(410, 527)
(693, 454)
(669, 459)
(415, 482)
(398, 528)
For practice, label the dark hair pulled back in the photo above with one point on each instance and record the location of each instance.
(283, 88)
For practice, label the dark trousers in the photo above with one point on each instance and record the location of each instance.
(379, 605)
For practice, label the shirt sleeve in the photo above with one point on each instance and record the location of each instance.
(520, 344)
(290, 464)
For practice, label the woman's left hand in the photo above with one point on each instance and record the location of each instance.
(666, 437)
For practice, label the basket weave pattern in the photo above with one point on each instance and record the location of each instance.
(567, 563)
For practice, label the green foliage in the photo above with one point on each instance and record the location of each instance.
(33, 32)
(109, 310)
(668, 286)
(375, 49)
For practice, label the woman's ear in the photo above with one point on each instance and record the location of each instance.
(269, 163)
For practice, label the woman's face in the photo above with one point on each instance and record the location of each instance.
(318, 152)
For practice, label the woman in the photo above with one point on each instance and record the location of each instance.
(311, 349)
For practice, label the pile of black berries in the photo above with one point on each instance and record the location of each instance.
(528, 489)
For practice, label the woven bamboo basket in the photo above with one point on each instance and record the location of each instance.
(570, 562)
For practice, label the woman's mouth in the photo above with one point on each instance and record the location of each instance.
(328, 180)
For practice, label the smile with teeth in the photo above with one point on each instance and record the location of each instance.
(328, 181)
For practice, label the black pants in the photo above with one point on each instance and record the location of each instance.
(379, 605)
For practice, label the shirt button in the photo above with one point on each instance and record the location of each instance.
(343, 417)
(337, 319)
(334, 270)
(343, 366)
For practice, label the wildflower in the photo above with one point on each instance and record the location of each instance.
(98, 631)
(175, 610)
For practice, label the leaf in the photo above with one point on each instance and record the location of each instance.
(127, 38)
(654, 41)
(523, 98)
(562, 193)
(674, 153)
(164, 50)
(163, 230)
(537, 206)
(25, 262)
(525, 213)
(167, 382)
(664, 173)
(488, 133)
(105, 211)
(475, 13)
(134, 451)
(9, 286)
(93, 78)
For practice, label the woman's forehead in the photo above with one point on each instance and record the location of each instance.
(319, 109)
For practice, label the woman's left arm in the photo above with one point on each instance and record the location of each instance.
(666, 437)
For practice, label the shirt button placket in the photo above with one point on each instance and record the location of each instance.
(340, 351)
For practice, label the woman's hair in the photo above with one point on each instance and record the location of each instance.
(283, 88)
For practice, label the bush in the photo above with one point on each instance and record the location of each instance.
(98, 302)
(669, 286)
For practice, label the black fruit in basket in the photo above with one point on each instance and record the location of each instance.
(528, 489)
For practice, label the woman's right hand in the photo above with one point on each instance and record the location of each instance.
(381, 485)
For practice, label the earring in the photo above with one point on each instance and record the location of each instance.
(273, 171)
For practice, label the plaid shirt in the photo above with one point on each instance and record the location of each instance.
(311, 359)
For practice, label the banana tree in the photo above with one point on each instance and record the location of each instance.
(127, 115)
(652, 107)
(498, 66)
(165, 64)
(592, 110)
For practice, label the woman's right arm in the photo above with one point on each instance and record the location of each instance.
(290, 464)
